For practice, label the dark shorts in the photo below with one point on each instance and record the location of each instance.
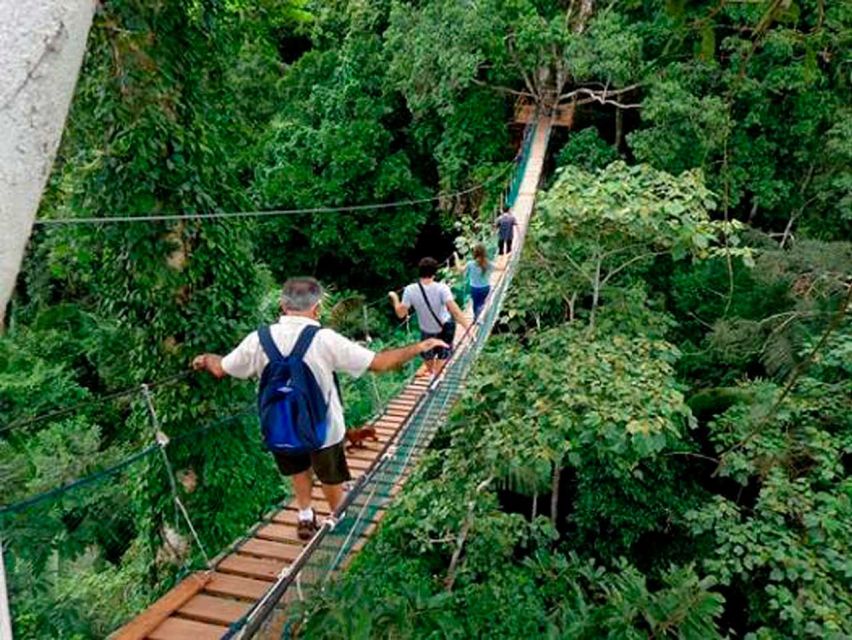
(439, 353)
(505, 245)
(329, 464)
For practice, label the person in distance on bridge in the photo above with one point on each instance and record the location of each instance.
(505, 223)
(477, 272)
(324, 353)
(435, 307)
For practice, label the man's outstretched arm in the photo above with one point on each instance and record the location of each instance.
(395, 358)
(209, 362)
(400, 309)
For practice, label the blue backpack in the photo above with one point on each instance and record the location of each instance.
(293, 410)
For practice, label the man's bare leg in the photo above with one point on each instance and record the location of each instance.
(438, 367)
(302, 485)
(333, 494)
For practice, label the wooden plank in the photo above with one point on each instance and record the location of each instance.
(283, 530)
(249, 567)
(388, 425)
(402, 402)
(268, 549)
(388, 421)
(180, 629)
(320, 505)
(215, 610)
(363, 453)
(236, 586)
(154, 615)
(354, 463)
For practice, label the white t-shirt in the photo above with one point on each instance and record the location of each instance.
(438, 294)
(329, 352)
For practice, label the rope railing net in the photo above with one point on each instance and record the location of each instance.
(331, 549)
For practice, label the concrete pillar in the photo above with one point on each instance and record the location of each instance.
(42, 43)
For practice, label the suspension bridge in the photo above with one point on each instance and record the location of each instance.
(248, 590)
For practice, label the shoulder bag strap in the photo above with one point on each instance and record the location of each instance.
(429, 306)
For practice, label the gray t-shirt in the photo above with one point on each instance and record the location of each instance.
(439, 295)
(506, 224)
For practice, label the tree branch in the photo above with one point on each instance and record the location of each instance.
(502, 89)
(624, 265)
(596, 94)
(463, 533)
(800, 369)
(571, 260)
(529, 84)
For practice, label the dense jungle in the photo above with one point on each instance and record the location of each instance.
(657, 439)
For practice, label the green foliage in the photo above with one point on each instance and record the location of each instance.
(654, 513)
(752, 94)
(587, 150)
(199, 107)
(792, 546)
(594, 231)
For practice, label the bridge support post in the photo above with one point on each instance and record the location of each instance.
(42, 44)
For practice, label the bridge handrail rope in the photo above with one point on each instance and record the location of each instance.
(162, 441)
(26, 503)
(468, 345)
(261, 213)
(113, 395)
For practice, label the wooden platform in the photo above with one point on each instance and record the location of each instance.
(203, 605)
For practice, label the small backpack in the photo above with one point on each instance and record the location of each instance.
(293, 411)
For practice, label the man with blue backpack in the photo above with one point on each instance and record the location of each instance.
(301, 411)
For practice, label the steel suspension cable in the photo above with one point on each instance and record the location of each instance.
(26, 503)
(261, 213)
(58, 413)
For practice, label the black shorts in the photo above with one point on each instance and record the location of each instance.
(329, 464)
(447, 334)
(505, 245)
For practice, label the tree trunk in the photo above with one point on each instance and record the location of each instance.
(596, 295)
(554, 492)
(586, 9)
(43, 47)
(619, 128)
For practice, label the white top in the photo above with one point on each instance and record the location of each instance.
(439, 295)
(329, 352)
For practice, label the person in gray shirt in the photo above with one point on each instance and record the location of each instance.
(435, 308)
(505, 224)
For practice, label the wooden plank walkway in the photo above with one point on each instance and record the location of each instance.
(203, 605)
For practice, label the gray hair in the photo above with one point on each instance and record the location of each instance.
(301, 294)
